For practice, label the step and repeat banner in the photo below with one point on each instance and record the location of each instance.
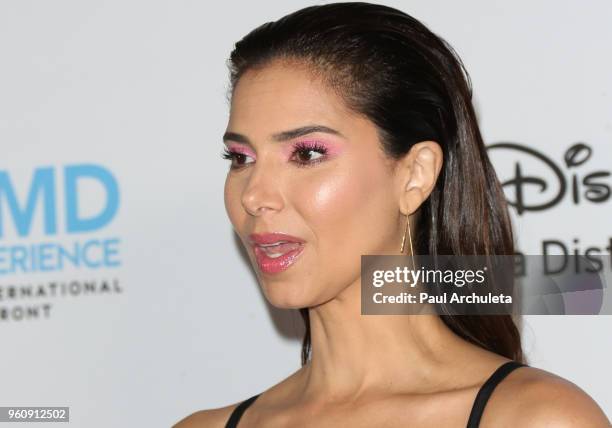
(125, 295)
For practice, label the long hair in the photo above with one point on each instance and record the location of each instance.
(411, 84)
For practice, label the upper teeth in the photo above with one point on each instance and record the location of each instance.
(272, 245)
(269, 248)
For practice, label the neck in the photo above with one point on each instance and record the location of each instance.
(354, 355)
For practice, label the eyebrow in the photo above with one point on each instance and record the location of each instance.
(285, 135)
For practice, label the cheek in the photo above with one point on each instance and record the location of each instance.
(349, 212)
(331, 206)
(333, 198)
(231, 197)
(335, 213)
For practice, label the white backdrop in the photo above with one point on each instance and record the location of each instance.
(136, 91)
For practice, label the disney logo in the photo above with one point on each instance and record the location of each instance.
(534, 182)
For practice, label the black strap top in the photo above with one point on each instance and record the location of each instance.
(480, 402)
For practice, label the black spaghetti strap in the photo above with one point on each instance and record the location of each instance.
(232, 422)
(487, 389)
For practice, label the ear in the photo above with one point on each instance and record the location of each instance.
(417, 173)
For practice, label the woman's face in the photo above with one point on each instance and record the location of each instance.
(334, 190)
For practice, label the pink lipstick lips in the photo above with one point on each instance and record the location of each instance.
(276, 252)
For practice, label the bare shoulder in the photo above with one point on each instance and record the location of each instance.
(534, 398)
(211, 418)
(217, 418)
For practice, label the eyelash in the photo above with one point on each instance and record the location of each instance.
(300, 147)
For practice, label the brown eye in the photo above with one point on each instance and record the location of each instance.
(308, 153)
(305, 155)
(236, 158)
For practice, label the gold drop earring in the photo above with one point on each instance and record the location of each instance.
(407, 229)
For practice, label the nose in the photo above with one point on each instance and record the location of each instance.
(262, 192)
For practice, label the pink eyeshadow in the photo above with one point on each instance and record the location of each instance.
(238, 148)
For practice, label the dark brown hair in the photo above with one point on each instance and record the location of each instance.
(411, 84)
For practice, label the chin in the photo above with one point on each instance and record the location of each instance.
(286, 296)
